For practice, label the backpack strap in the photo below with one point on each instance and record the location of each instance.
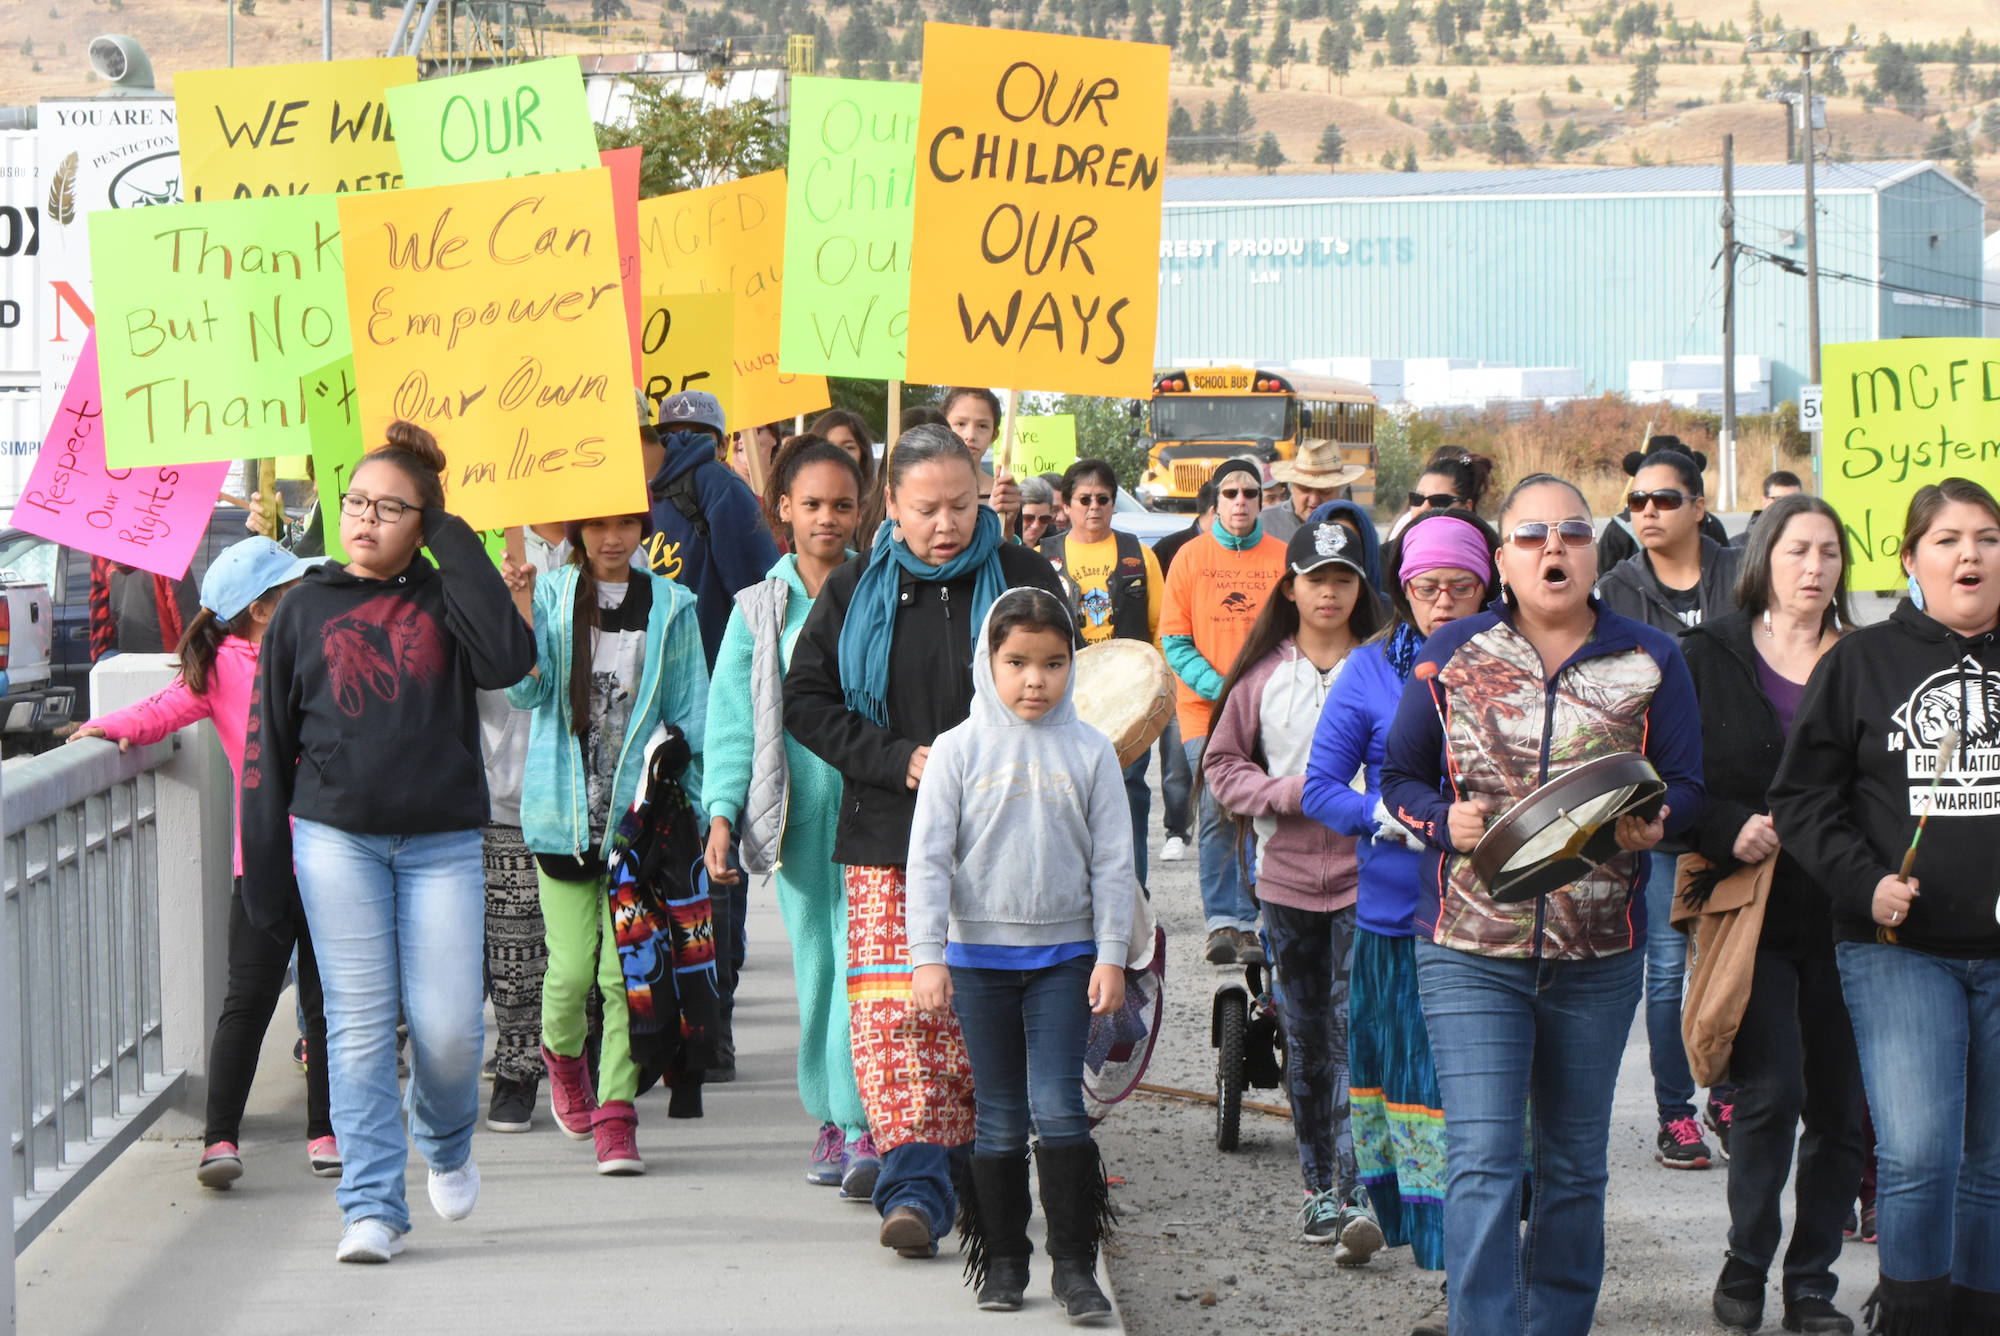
(680, 491)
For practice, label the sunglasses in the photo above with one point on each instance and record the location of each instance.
(1091, 500)
(1667, 498)
(1236, 493)
(1534, 534)
(1434, 500)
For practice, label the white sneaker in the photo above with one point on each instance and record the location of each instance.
(369, 1240)
(1174, 850)
(454, 1194)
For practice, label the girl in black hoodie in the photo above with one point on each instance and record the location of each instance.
(363, 771)
(1919, 957)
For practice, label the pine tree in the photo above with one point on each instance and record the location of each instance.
(1444, 28)
(1508, 144)
(1219, 48)
(1210, 134)
(1279, 53)
(1402, 47)
(1409, 157)
(1237, 123)
(1330, 146)
(1180, 133)
(1239, 59)
(1170, 23)
(1645, 84)
(1269, 156)
(1440, 143)
(1191, 44)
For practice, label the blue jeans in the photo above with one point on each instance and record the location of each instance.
(1505, 1032)
(919, 1174)
(1225, 900)
(396, 926)
(1928, 1030)
(1141, 799)
(1666, 979)
(1025, 1032)
(1176, 783)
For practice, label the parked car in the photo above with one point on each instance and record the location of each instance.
(1129, 516)
(32, 706)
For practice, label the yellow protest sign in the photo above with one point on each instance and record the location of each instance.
(686, 343)
(731, 239)
(490, 313)
(1901, 413)
(315, 129)
(1039, 181)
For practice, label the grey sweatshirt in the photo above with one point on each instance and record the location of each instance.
(1023, 833)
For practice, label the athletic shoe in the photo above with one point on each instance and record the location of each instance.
(1319, 1218)
(1720, 1116)
(368, 1240)
(860, 1166)
(1222, 947)
(1680, 1145)
(456, 1191)
(1739, 1296)
(1174, 850)
(1868, 1223)
(1852, 1229)
(823, 1169)
(615, 1127)
(1249, 947)
(299, 1055)
(1813, 1314)
(1360, 1236)
(570, 1097)
(323, 1154)
(220, 1165)
(907, 1231)
(512, 1108)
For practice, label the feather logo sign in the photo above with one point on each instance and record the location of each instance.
(62, 192)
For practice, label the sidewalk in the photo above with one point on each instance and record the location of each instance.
(722, 1234)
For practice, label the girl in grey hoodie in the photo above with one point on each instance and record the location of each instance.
(1019, 911)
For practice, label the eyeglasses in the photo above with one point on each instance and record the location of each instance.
(1235, 493)
(1534, 534)
(1667, 498)
(1090, 502)
(387, 509)
(1426, 591)
(1434, 500)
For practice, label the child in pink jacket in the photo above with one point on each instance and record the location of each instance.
(218, 662)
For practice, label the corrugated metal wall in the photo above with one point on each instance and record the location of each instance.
(1590, 282)
(1933, 240)
(20, 227)
(20, 440)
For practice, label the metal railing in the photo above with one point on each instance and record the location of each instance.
(80, 1008)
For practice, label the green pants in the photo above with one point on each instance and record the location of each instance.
(577, 918)
(813, 902)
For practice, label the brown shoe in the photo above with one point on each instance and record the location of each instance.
(1249, 947)
(906, 1230)
(1222, 947)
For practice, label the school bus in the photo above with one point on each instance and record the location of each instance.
(1201, 416)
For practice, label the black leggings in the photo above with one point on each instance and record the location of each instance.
(257, 961)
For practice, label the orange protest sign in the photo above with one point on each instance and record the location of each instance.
(731, 238)
(490, 313)
(1039, 182)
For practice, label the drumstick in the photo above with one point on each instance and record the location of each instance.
(1946, 746)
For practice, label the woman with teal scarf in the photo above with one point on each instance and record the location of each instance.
(882, 666)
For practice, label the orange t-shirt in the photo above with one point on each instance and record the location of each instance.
(1214, 595)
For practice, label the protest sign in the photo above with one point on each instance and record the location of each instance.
(333, 421)
(90, 155)
(151, 518)
(624, 164)
(849, 207)
(512, 120)
(731, 239)
(1039, 181)
(210, 314)
(1901, 413)
(687, 343)
(308, 129)
(20, 242)
(1044, 444)
(490, 314)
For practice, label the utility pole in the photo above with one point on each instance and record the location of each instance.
(1806, 51)
(1729, 322)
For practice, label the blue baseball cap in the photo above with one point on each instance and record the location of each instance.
(245, 572)
(691, 408)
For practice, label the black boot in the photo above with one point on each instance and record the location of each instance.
(1739, 1296)
(993, 1230)
(1974, 1312)
(1076, 1202)
(1910, 1308)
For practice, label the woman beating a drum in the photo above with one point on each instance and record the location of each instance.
(1533, 999)
(882, 666)
(1899, 735)
(1442, 570)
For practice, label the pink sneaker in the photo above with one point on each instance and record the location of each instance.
(220, 1165)
(570, 1095)
(616, 1126)
(323, 1153)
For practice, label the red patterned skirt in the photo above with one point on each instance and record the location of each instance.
(915, 1079)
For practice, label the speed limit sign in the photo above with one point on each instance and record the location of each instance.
(1811, 418)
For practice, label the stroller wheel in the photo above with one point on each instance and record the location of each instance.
(1232, 1025)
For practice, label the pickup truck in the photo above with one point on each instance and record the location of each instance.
(31, 704)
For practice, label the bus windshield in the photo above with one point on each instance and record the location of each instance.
(1190, 417)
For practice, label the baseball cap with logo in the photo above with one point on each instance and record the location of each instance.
(691, 408)
(1317, 545)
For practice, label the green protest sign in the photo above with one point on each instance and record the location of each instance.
(1901, 413)
(512, 120)
(207, 316)
(1044, 444)
(849, 209)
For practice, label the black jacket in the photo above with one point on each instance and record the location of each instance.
(1857, 776)
(1633, 590)
(1618, 542)
(930, 690)
(1170, 547)
(1741, 745)
(363, 717)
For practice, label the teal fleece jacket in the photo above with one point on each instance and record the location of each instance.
(673, 690)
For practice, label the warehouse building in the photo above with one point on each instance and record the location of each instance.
(1586, 268)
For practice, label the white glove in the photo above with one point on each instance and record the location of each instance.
(1388, 830)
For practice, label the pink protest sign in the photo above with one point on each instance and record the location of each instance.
(624, 164)
(150, 518)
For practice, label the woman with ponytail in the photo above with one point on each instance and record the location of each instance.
(364, 773)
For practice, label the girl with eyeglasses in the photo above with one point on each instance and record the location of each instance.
(365, 773)
(1531, 1001)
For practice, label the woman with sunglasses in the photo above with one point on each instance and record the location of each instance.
(1453, 478)
(1532, 1001)
(1618, 540)
(1679, 578)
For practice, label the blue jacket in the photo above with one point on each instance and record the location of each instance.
(738, 550)
(1371, 543)
(1484, 722)
(673, 690)
(1353, 733)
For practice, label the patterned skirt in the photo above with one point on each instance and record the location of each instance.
(915, 1078)
(1398, 1114)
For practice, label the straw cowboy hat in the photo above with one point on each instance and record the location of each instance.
(1318, 466)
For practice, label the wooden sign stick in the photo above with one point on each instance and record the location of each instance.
(1004, 466)
(524, 599)
(274, 504)
(892, 413)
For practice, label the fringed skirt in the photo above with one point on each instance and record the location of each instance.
(1398, 1114)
